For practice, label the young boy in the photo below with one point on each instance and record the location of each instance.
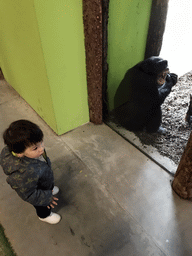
(29, 171)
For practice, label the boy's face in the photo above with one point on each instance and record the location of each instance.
(33, 151)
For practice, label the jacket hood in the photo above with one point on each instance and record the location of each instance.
(8, 163)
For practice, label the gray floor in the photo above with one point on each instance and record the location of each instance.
(113, 199)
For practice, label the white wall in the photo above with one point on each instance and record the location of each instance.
(177, 41)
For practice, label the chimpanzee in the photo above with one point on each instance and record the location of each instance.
(140, 94)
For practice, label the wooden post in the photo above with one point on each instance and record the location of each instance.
(182, 183)
(105, 11)
(92, 16)
(156, 27)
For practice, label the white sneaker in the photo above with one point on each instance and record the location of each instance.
(55, 190)
(53, 218)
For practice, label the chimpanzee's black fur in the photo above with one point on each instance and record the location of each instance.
(141, 96)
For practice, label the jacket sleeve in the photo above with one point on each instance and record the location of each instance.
(25, 184)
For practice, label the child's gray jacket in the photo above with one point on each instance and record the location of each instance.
(31, 178)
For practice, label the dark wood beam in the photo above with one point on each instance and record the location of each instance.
(156, 27)
(92, 15)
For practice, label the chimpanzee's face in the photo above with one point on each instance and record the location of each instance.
(154, 65)
(161, 78)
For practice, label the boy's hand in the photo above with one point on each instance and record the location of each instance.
(54, 199)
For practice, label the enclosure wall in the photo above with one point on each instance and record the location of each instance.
(127, 34)
(43, 58)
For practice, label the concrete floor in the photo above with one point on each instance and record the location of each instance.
(114, 200)
(164, 162)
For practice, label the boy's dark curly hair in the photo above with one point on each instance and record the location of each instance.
(22, 134)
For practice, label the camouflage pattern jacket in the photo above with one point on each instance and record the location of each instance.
(31, 178)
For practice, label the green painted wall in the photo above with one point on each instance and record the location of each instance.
(21, 56)
(43, 58)
(127, 34)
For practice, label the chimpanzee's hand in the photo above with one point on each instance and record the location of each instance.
(171, 80)
(174, 78)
